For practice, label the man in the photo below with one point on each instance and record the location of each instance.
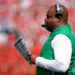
(58, 53)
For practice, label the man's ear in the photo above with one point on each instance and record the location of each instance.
(58, 19)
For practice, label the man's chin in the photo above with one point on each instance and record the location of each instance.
(48, 29)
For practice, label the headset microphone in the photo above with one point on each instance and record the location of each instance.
(43, 25)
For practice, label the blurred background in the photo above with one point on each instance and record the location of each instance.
(25, 17)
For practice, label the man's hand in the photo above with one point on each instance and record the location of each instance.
(32, 58)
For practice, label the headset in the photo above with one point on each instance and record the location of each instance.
(58, 10)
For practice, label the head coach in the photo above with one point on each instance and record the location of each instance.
(58, 52)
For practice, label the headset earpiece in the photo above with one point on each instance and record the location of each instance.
(58, 10)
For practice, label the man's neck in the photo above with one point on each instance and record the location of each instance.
(59, 24)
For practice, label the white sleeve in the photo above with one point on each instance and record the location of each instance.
(62, 49)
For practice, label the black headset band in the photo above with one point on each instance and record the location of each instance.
(58, 10)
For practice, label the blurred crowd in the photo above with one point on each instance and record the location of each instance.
(24, 17)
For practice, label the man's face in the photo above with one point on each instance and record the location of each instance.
(50, 20)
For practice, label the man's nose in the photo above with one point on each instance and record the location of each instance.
(45, 19)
